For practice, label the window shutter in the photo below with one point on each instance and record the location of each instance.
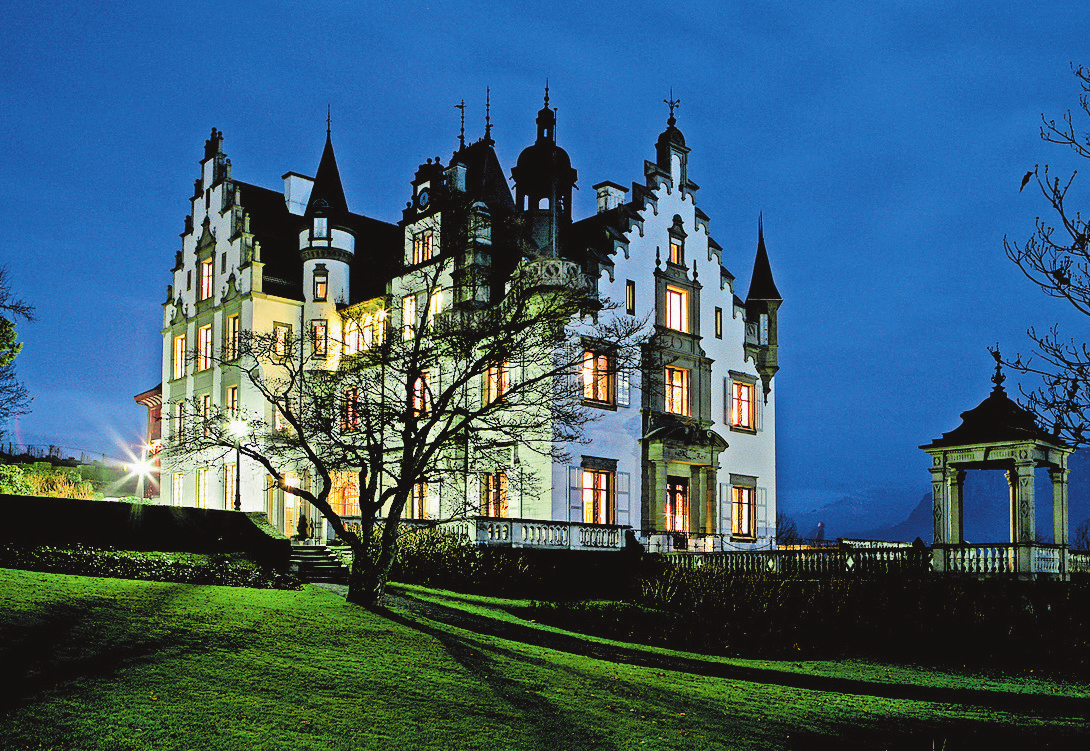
(433, 507)
(624, 482)
(762, 512)
(726, 509)
(575, 493)
(759, 408)
(624, 390)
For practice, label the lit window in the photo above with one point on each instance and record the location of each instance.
(418, 501)
(202, 487)
(204, 347)
(231, 339)
(742, 407)
(718, 323)
(422, 247)
(677, 390)
(350, 409)
(422, 394)
(598, 496)
(178, 360)
(280, 423)
(677, 309)
(408, 317)
(497, 381)
(630, 297)
(677, 504)
(232, 401)
(206, 413)
(282, 339)
(677, 251)
(178, 408)
(318, 337)
(345, 494)
(597, 377)
(206, 279)
(364, 333)
(228, 486)
(176, 489)
(743, 511)
(321, 226)
(435, 304)
(321, 286)
(494, 487)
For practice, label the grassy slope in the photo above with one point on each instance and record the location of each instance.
(117, 664)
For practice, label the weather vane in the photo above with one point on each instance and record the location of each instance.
(672, 103)
(998, 378)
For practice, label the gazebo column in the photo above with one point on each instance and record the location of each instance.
(1058, 476)
(955, 485)
(1020, 479)
(940, 511)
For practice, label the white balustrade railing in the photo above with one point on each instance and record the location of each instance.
(534, 533)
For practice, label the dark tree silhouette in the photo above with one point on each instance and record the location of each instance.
(417, 403)
(14, 399)
(1055, 258)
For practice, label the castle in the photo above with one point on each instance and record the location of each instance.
(683, 455)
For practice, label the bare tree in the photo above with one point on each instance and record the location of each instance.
(398, 407)
(787, 531)
(1056, 259)
(14, 399)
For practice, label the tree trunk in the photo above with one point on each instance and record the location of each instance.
(367, 578)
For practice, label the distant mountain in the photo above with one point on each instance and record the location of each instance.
(986, 516)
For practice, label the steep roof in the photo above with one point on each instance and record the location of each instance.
(485, 180)
(996, 419)
(328, 193)
(761, 284)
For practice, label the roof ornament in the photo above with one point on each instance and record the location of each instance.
(488, 116)
(462, 135)
(998, 378)
(546, 92)
(328, 120)
(672, 103)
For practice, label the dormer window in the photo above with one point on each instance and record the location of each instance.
(321, 227)
(677, 242)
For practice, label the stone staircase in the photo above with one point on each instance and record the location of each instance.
(317, 563)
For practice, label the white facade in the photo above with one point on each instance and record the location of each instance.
(683, 455)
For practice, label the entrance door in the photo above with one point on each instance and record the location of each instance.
(677, 504)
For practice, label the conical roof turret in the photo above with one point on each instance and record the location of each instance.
(327, 195)
(761, 284)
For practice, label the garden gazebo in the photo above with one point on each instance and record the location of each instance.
(999, 435)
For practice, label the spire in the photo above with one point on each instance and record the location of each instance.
(328, 121)
(761, 284)
(488, 117)
(327, 193)
(462, 134)
(546, 120)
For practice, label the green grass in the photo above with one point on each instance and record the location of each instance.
(92, 663)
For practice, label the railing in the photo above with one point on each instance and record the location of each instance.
(1022, 558)
(534, 533)
(1078, 563)
(820, 563)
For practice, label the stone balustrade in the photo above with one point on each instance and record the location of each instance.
(534, 533)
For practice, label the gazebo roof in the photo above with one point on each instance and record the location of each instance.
(997, 419)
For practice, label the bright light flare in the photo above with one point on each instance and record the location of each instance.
(238, 428)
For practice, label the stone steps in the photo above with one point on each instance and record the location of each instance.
(317, 563)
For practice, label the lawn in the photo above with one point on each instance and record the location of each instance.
(114, 664)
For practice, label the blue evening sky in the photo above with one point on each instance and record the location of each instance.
(884, 141)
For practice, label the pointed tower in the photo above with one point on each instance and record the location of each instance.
(327, 241)
(762, 304)
(671, 153)
(544, 179)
